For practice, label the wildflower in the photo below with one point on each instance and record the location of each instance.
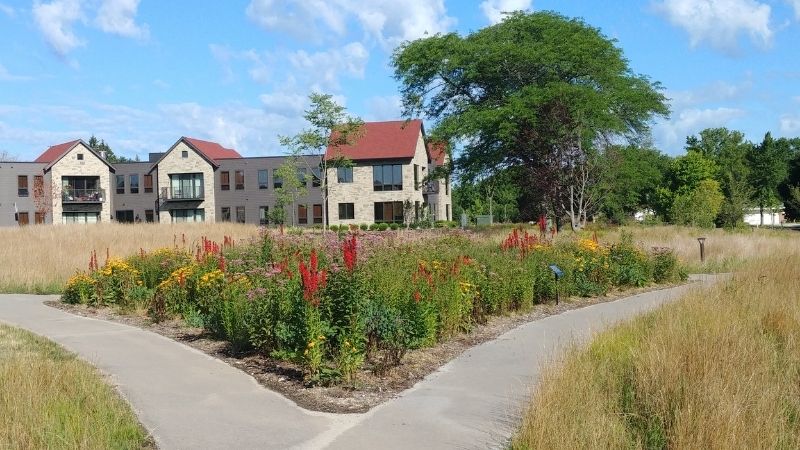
(312, 278)
(349, 252)
(417, 296)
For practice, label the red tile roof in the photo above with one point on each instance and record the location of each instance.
(212, 150)
(380, 140)
(55, 152)
(437, 151)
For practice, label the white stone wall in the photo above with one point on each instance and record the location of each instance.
(173, 163)
(90, 166)
(360, 192)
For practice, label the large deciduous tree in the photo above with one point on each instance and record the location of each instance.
(539, 91)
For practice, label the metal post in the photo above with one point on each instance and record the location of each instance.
(702, 242)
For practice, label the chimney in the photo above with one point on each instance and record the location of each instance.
(103, 154)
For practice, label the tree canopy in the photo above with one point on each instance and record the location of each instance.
(536, 91)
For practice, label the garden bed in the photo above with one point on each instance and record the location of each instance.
(370, 390)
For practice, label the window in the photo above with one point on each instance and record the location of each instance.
(240, 214)
(263, 182)
(416, 177)
(120, 184)
(134, 183)
(387, 177)
(124, 216)
(389, 212)
(447, 212)
(447, 185)
(148, 184)
(184, 154)
(80, 156)
(39, 217)
(302, 214)
(263, 215)
(225, 180)
(347, 211)
(148, 216)
(344, 174)
(317, 213)
(22, 218)
(416, 210)
(239, 177)
(226, 214)
(277, 182)
(301, 176)
(316, 180)
(80, 217)
(22, 185)
(186, 186)
(81, 190)
(187, 215)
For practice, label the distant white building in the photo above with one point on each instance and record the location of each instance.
(772, 216)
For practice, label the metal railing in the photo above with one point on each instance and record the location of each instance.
(176, 193)
(73, 195)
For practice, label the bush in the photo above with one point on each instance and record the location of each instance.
(363, 227)
(383, 226)
(394, 226)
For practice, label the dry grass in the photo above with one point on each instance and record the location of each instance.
(719, 369)
(50, 399)
(40, 259)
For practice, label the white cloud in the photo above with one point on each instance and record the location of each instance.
(387, 21)
(494, 9)
(55, 20)
(119, 17)
(324, 68)
(795, 4)
(720, 22)
(789, 124)
(670, 135)
(5, 75)
(259, 70)
(384, 107)
(286, 103)
(8, 10)
(717, 91)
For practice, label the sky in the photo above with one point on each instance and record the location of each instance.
(141, 74)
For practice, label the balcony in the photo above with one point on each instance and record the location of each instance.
(431, 187)
(83, 196)
(178, 194)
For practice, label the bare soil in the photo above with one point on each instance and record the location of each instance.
(370, 389)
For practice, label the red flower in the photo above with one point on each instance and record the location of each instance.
(312, 278)
(349, 252)
(417, 296)
(221, 263)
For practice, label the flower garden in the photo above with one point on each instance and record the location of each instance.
(336, 304)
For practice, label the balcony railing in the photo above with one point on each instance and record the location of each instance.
(83, 196)
(431, 187)
(177, 194)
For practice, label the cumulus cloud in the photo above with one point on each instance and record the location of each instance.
(119, 17)
(258, 63)
(286, 103)
(55, 21)
(325, 67)
(494, 9)
(795, 4)
(720, 22)
(718, 91)
(789, 124)
(384, 107)
(670, 135)
(387, 21)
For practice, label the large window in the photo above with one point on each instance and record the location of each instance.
(225, 180)
(134, 184)
(387, 177)
(80, 217)
(263, 181)
(240, 214)
(389, 212)
(263, 215)
(120, 184)
(416, 177)
(347, 211)
(124, 216)
(186, 186)
(148, 184)
(302, 214)
(315, 177)
(317, 213)
(81, 189)
(22, 185)
(187, 215)
(225, 215)
(277, 182)
(301, 176)
(344, 174)
(239, 175)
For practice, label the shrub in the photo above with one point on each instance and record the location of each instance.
(383, 226)
(364, 227)
(665, 266)
(79, 289)
(394, 226)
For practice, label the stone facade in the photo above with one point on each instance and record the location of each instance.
(88, 164)
(174, 163)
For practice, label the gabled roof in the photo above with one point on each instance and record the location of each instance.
(54, 154)
(210, 151)
(437, 152)
(381, 140)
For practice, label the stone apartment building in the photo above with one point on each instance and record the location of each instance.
(197, 180)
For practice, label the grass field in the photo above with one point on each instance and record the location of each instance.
(51, 400)
(40, 259)
(719, 369)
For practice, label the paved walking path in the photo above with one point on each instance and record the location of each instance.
(189, 400)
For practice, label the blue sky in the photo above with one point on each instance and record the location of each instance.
(140, 74)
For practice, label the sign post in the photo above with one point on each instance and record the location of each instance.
(558, 274)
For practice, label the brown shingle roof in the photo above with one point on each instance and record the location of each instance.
(55, 152)
(381, 140)
(212, 150)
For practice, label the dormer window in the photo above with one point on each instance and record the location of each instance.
(80, 156)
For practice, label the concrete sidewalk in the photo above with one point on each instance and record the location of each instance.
(189, 400)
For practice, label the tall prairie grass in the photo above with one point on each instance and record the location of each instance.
(49, 399)
(40, 259)
(718, 369)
